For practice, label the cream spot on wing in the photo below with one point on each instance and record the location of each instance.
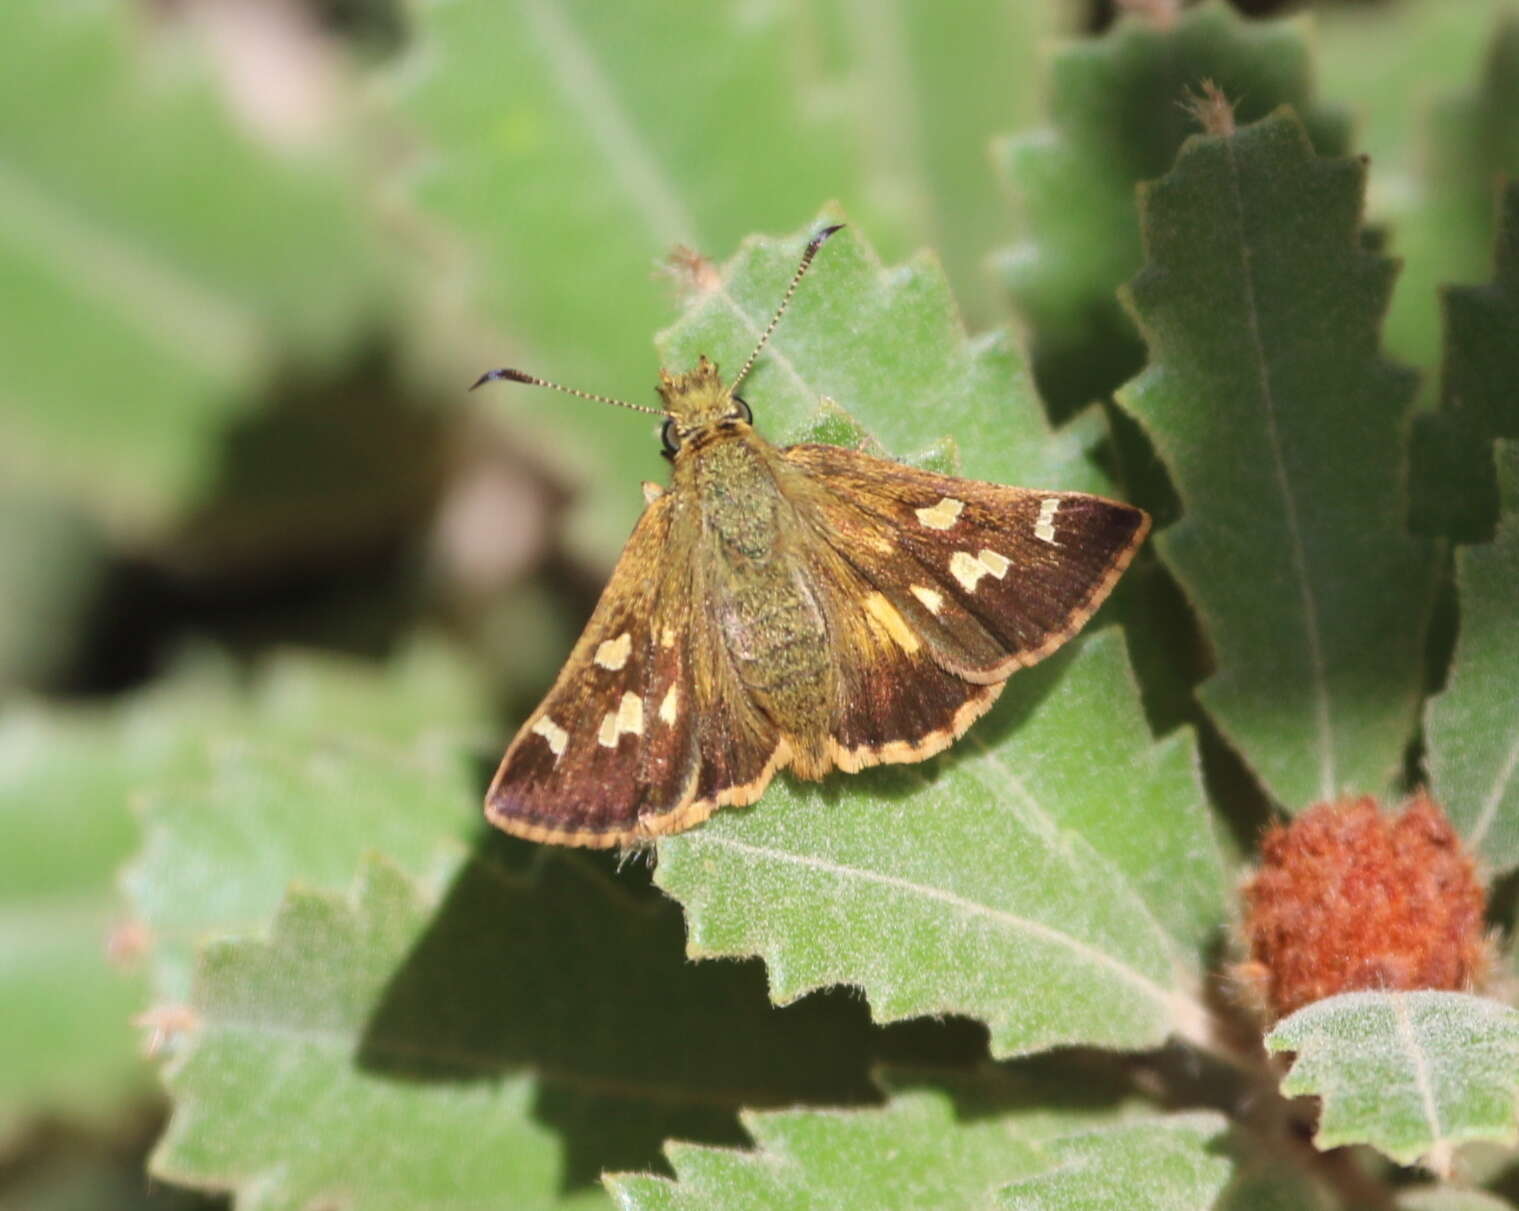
(613, 653)
(1044, 527)
(932, 600)
(607, 735)
(996, 564)
(968, 569)
(942, 515)
(880, 544)
(667, 638)
(891, 622)
(669, 705)
(651, 491)
(630, 715)
(553, 733)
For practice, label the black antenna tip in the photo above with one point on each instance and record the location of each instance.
(492, 376)
(817, 241)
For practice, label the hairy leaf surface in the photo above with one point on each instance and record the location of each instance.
(1116, 116)
(1472, 729)
(1413, 1074)
(1053, 875)
(929, 1148)
(1283, 430)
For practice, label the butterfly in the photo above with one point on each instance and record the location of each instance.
(810, 607)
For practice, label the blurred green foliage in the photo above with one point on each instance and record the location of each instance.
(274, 587)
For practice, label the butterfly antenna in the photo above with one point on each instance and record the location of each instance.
(811, 251)
(517, 376)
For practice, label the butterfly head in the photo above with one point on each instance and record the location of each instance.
(699, 405)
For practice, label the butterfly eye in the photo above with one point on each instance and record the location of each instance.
(670, 437)
(745, 413)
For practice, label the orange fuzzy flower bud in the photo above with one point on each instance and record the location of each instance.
(1348, 898)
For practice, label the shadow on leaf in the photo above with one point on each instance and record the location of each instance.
(550, 962)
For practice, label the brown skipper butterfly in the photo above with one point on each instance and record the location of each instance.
(807, 608)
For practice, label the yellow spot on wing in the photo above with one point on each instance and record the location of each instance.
(891, 622)
(613, 653)
(607, 735)
(942, 515)
(670, 705)
(553, 733)
(667, 638)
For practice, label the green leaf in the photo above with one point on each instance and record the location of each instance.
(1472, 729)
(477, 1021)
(885, 345)
(1455, 493)
(66, 1048)
(1282, 427)
(272, 1100)
(623, 131)
(1445, 232)
(1117, 118)
(1413, 1074)
(155, 261)
(928, 1148)
(1053, 876)
(324, 761)
(1167, 1165)
(926, 86)
(1383, 66)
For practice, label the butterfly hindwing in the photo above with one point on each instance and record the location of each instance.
(894, 701)
(615, 739)
(738, 749)
(989, 578)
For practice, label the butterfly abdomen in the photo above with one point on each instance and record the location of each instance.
(773, 628)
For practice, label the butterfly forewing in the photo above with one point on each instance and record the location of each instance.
(616, 737)
(989, 578)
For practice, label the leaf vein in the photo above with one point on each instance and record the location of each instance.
(773, 349)
(1496, 795)
(1420, 1069)
(1171, 944)
(1013, 921)
(586, 88)
(1322, 716)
